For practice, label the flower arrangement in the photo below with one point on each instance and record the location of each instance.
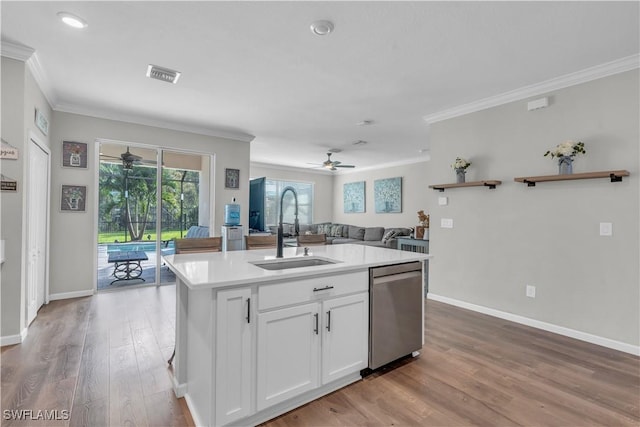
(423, 219)
(461, 163)
(567, 149)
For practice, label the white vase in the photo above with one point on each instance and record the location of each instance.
(74, 159)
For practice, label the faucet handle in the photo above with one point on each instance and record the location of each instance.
(306, 251)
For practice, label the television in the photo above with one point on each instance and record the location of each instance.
(256, 204)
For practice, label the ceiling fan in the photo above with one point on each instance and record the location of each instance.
(334, 164)
(128, 159)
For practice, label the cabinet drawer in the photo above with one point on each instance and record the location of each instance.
(317, 288)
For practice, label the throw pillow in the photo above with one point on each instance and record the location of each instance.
(336, 231)
(324, 229)
(389, 235)
(373, 234)
(356, 232)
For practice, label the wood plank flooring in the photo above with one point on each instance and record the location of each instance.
(103, 359)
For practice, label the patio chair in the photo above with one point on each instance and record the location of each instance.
(312, 239)
(260, 242)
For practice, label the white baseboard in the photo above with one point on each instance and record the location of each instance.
(192, 409)
(14, 339)
(560, 330)
(67, 295)
(178, 389)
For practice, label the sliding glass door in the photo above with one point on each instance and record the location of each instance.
(146, 198)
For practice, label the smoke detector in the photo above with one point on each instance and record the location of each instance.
(163, 74)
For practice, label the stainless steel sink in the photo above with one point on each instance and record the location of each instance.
(286, 263)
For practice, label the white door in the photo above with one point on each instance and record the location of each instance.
(37, 232)
(345, 336)
(288, 347)
(234, 320)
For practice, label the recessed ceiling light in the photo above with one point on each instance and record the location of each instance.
(72, 20)
(322, 27)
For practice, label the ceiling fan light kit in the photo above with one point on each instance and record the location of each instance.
(72, 20)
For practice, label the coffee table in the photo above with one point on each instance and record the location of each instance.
(127, 265)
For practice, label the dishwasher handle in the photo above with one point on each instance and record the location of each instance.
(396, 277)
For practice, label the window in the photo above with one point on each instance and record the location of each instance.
(273, 190)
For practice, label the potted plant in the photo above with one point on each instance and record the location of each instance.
(460, 166)
(565, 153)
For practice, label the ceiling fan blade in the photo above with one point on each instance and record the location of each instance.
(344, 166)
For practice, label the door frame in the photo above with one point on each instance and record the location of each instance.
(34, 139)
(160, 150)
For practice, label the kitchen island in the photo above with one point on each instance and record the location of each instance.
(256, 338)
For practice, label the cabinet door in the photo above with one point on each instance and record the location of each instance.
(288, 351)
(233, 355)
(345, 335)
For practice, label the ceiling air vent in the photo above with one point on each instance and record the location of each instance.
(163, 74)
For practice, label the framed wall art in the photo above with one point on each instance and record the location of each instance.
(354, 197)
(387, 195)
(74, 154)
(73, 198)
(41, 122)
(232, 178)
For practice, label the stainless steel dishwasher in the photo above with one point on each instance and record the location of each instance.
(395, 312)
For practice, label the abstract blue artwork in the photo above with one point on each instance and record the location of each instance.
(387, 195)
(354, 198)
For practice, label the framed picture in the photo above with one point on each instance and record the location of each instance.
(74, 154)
(387, 195)
(73, 198)
(232, 178)
(41, 122)
(354, 197)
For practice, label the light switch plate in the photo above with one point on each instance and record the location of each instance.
(606, 229)
(443, 201)
(446, 223)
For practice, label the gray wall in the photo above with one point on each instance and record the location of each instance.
(20, 97)
(322, 189)
(546, 236)
(414, 196)
(72, 234)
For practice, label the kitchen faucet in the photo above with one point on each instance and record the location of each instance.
(296, 225)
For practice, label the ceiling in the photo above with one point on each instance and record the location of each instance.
(255, 68)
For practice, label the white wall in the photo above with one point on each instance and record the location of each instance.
(322, 189)
(548, 235)
(72, 234)
(414, 196)
(20, 97)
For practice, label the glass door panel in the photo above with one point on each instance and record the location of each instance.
(185, 201)
(127, 202)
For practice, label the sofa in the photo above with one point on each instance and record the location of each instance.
(345, 233)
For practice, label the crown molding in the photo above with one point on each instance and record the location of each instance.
(599, 71)
(425, 158)
(317, 171)
(15, 51)
(34, 65)
(146, 121)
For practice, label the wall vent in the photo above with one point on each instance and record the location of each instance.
(163, 74)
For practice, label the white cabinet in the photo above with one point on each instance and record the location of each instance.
(288, 351)
(321, 339)
(345, 333)
(233, 355)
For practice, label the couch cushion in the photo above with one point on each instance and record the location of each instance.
(197, 232)
(339, 240)
(324, 229)
(356, 232)
(373, 233)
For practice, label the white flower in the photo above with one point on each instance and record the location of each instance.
(461, 163)
(567, 148)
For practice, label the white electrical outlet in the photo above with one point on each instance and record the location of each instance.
(446, 223)
(606, 229)
(531, 291)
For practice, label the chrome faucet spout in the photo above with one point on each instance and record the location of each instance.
(296, 225)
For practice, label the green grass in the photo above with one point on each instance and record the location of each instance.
(120, 236)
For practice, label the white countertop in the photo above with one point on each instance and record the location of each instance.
(222, 269)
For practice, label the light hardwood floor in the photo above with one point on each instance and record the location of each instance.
(103, 359)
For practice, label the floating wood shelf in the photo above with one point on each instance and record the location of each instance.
(489, 183)
(615, 176)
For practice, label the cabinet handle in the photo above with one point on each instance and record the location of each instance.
(329, 321)
(322, 289)
(248, 310)
(316, 328)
